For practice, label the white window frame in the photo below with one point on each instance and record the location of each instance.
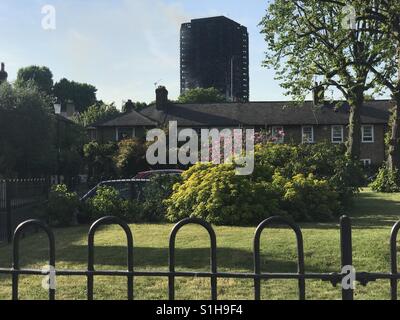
(341, 133)
(274, 129)
(117, 133)
(372, 131)
(303, 136)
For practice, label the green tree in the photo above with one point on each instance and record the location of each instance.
(201, 95)
(72, 139)
(308, 41)
(129, 106)
(26, 132)
(385, 17)
(41, 76)
(98, 112)
(82, 95)
(100, 160)
(131, 157)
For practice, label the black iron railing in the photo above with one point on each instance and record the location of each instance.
(335, 278)
(16, 194)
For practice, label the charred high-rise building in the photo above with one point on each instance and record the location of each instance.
(215, 53)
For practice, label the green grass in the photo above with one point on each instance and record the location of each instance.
(373, 216)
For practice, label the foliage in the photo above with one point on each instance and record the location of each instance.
(155, 193)
(27, 146)
(107, 202)
(385, 17)
(387, 180)
(129, 106)
(72, 138)
(201, 95)
(98, 112)
(42, 77)
(218, 195)
(310, 199)
(305, 182)
(131, 157)
(308, 41)
(62, 206)
(100, 159)
(323, 160)
(82, 95)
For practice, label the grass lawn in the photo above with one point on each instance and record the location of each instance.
(373, 216)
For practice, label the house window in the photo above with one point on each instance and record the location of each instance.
(124, 133)
(366, 162)
(367, 134)
(307, 134)
(277, 134)
(337, 134)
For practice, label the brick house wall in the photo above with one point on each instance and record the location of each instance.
(374, 151)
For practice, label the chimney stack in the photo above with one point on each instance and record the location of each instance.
(3, 73)
(161, 97)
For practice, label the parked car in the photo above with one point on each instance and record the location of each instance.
(127, 188)
(154, 173)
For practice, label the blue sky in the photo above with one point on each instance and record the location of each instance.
(122, 46)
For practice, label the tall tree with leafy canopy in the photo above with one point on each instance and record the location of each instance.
(201, 95)
(98, 112)
(26, 132)
(42, 77)
(309, 40)
(83, 95)
(130, 106)
(384, 15)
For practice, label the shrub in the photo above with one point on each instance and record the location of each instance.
(386, 181)
(325, 161)
(62, 206)
(306, 182)
(217, 195)
(99, 158)
(107, 202)
(155, 193)
(131, 157)
(310, 199)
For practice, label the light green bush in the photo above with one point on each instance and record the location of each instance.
(62, 206)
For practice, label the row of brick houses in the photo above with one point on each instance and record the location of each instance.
(306, 123)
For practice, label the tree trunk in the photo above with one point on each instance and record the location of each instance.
(354, 140)
(393, 147)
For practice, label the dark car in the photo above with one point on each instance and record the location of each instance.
(155, 173)
(127, 188)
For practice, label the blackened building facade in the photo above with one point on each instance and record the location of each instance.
(215, 53)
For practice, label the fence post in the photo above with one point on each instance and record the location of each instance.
(346, 251)
(8, 212)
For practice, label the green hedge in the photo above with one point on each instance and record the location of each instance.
(303, 182)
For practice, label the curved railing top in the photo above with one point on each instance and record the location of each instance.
(17, 236)
(393, 246)
(276, 220)
(196, 221)
(107, 221)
